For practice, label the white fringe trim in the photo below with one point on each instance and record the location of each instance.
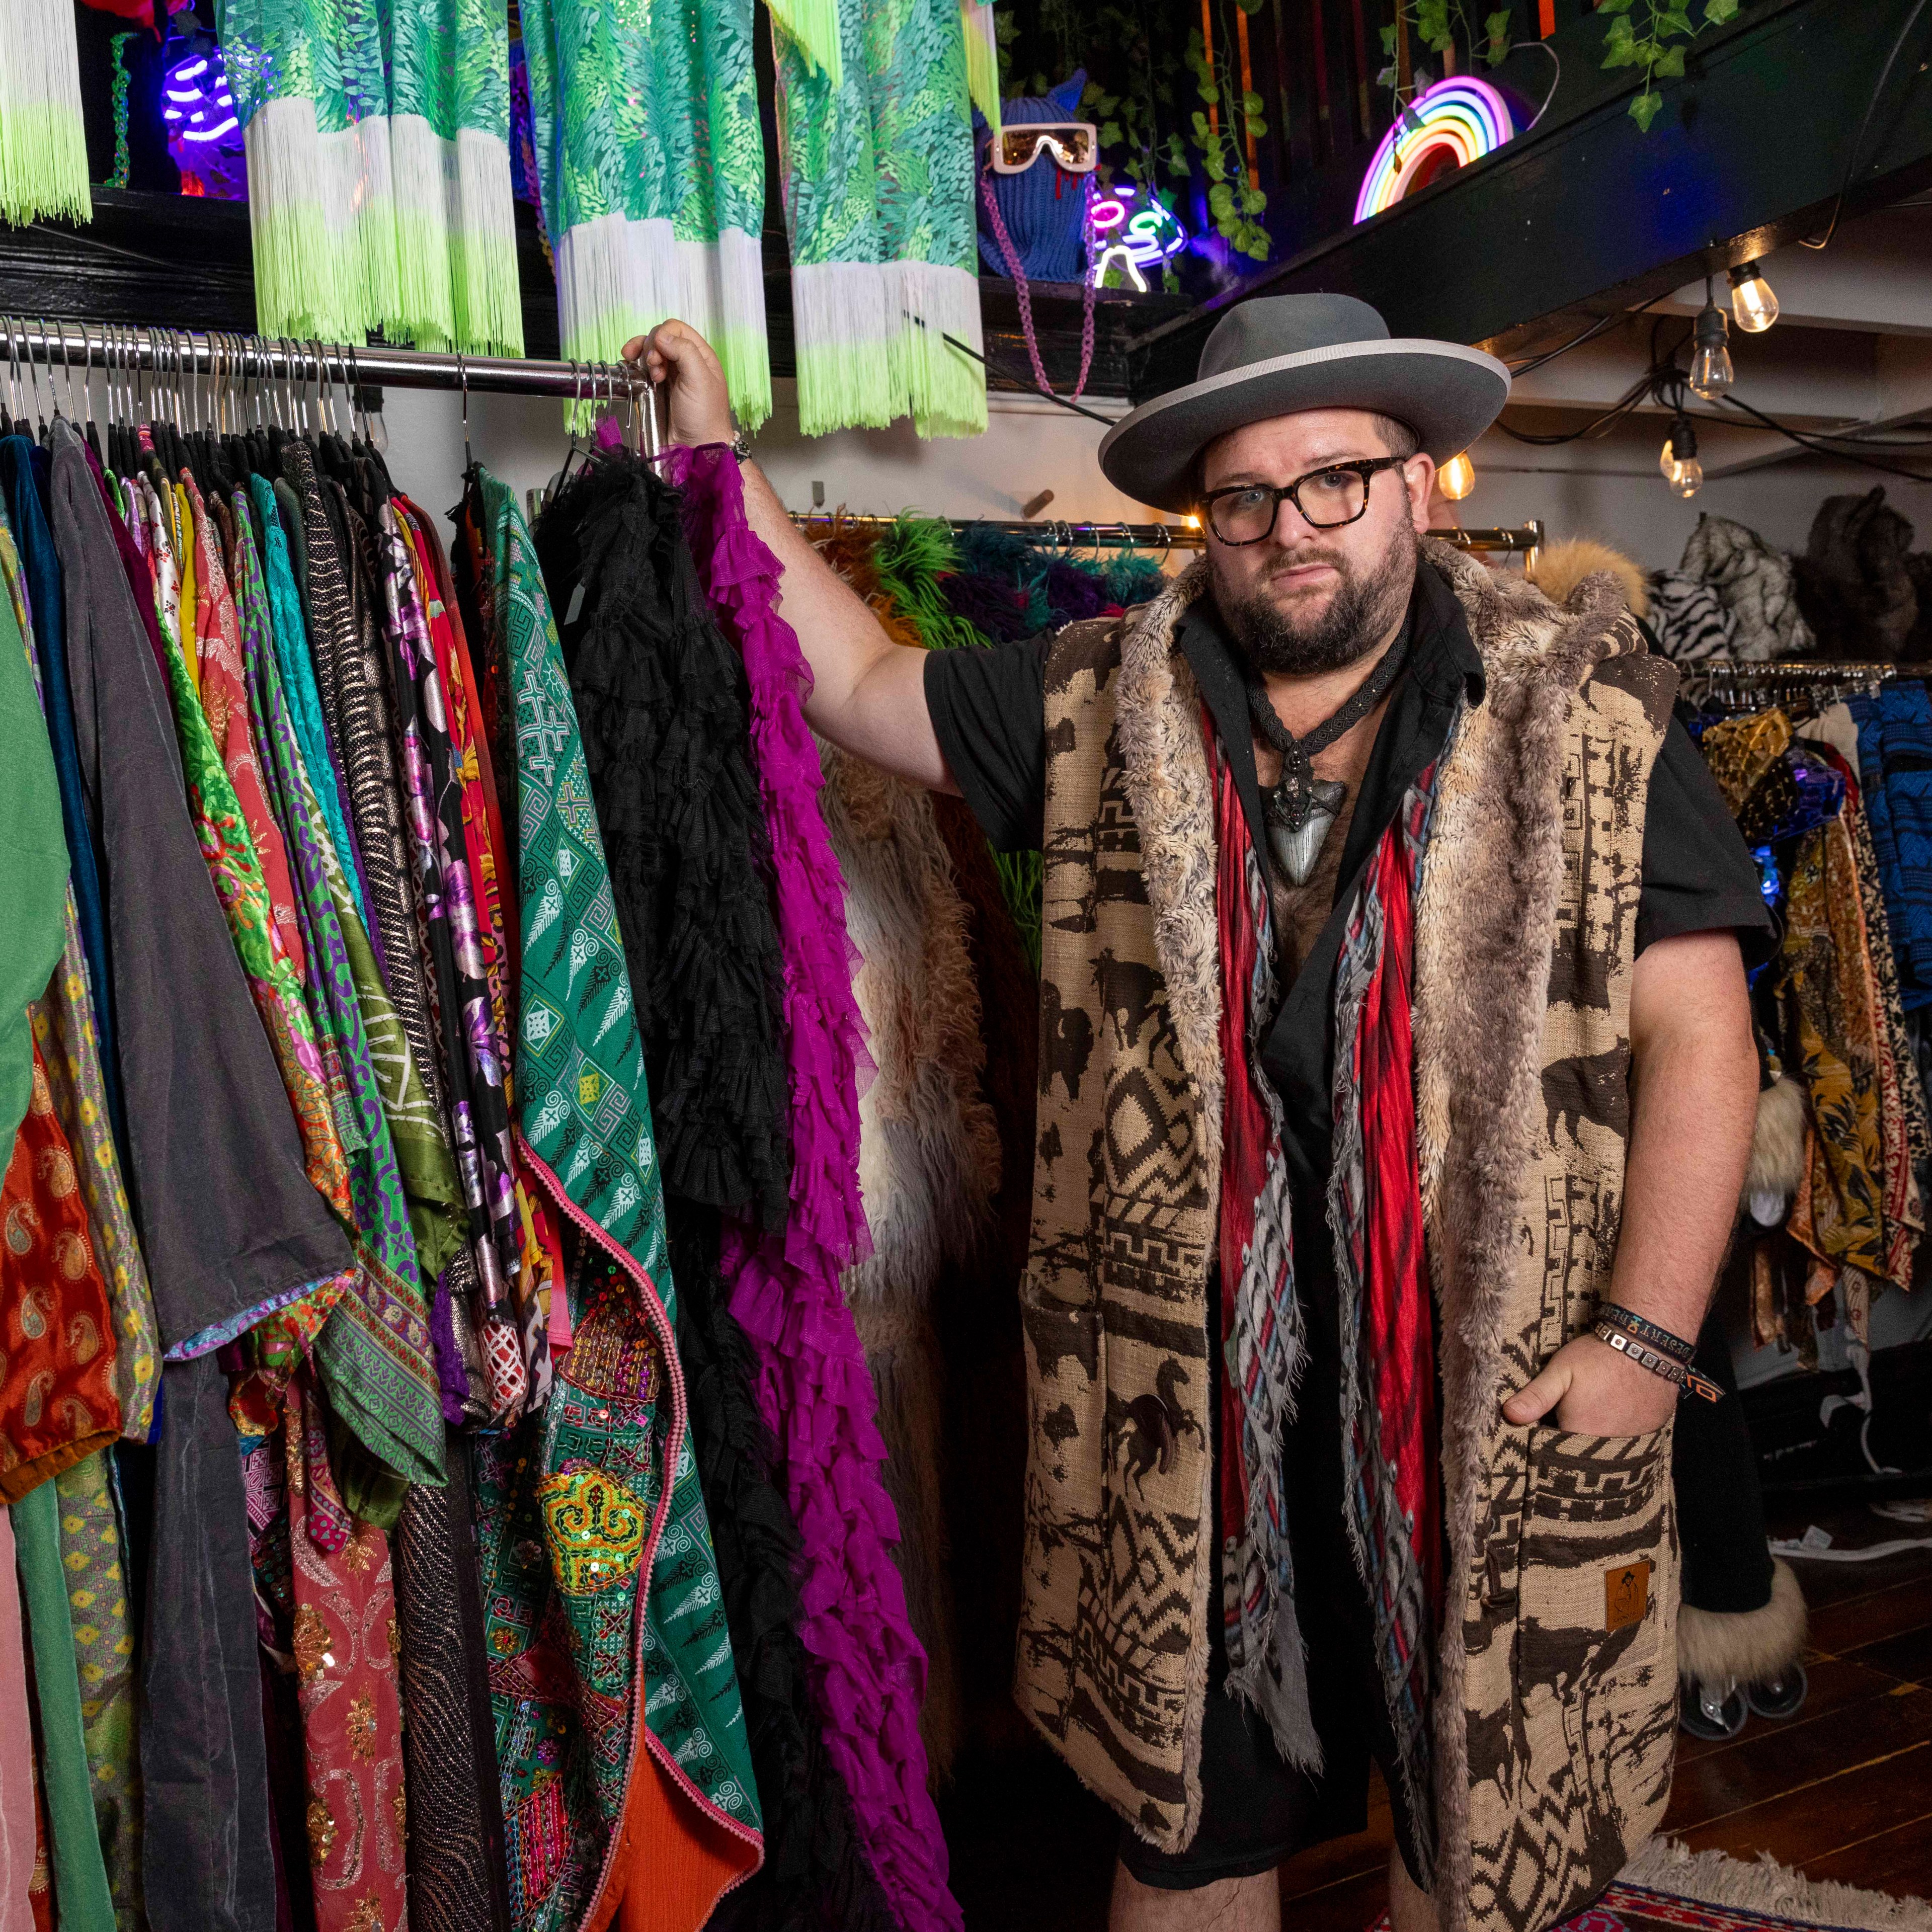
(841, 305)
(1767, 1887)
(483, 239)
(425, 169)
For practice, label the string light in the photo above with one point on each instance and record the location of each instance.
(1754, 307)
(1711, 371)
(1457, 477)
(1681, 469)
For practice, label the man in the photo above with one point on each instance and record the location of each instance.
(1393, 1037)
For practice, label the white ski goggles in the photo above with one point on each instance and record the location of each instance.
(1075, 145)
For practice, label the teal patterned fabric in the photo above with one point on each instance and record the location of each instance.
(645, 125)
(879, 180)
(375, 1350)
(567, 1500)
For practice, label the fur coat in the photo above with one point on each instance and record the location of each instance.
(929, 1166)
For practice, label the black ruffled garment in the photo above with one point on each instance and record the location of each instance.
(815, 1875)
(660, 702)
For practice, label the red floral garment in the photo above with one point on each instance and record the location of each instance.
(347, 1642)
(57, 1399)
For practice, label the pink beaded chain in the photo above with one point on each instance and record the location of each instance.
(1025, 294)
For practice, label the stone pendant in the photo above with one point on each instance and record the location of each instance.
(1297, 848)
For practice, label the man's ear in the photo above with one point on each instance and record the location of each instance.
(1418, 473)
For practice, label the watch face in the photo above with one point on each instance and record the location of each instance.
(1075, 145)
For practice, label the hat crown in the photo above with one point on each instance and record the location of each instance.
(1266, 326)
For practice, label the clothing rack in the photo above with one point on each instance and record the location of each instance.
(174, 355)
(1755, 685)
(1065, 537)
(1528, 539)
(1068, 537)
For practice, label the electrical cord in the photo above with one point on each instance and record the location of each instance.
(1667, 385)
(1865, 127)
(1595, 329)
(1820, 447)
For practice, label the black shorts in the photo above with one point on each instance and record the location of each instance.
(1255, 1811)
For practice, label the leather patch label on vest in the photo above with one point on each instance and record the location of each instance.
(1626, 1594)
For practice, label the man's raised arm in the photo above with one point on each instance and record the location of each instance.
(868, 693)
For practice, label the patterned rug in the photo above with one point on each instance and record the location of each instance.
(1666, 1887)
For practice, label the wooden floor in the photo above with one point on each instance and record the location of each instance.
(1843, 1790)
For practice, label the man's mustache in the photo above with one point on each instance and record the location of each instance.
(1304, 559)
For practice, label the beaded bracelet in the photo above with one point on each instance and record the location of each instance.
(1687, 1380)
(1640, 1329)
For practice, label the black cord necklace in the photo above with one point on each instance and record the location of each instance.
(1301, 809)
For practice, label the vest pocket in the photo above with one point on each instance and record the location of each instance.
(1597, 1574)
(1596, 1680)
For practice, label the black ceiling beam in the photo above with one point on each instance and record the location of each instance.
(1592, 215)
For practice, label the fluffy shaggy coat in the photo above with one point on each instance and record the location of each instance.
(929, 1166)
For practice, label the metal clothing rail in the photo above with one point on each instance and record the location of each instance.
(1064, 536)
(1529, 539)
(76, 349)
(1163, 537)
(1752, 684)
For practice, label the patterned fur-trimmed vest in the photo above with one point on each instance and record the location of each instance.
(1555, 1709)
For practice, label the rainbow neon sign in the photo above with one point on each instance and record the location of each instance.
(1461, 119)
(1124, 232)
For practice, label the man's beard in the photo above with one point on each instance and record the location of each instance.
(1362, 611)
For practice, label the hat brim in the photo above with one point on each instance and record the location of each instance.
(1447, 393)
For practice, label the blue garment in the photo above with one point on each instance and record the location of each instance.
(23, 471)
(1895, 764)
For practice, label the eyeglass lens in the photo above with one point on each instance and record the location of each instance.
(1326, 499)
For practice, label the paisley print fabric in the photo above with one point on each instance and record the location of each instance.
(64, 1021)
(57, 1400)
(649, 153)
(573, 1518)
(375, 1353)
(103, 1654)
(1831, 1023)
(230, 856)
(346, 1642)
(70, 1057)
(470, 1077)
(224, 701)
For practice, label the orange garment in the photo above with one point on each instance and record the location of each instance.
(673, 1863)
(57, 1399)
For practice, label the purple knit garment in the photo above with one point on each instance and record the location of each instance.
(867, 1672)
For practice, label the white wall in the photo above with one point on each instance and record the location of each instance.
(1636, 514)
(1029, 446)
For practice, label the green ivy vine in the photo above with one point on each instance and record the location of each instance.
(1660, 49)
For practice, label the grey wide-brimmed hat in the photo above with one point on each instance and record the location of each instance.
(1273, 355)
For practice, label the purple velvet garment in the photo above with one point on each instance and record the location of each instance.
(868, 1670)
